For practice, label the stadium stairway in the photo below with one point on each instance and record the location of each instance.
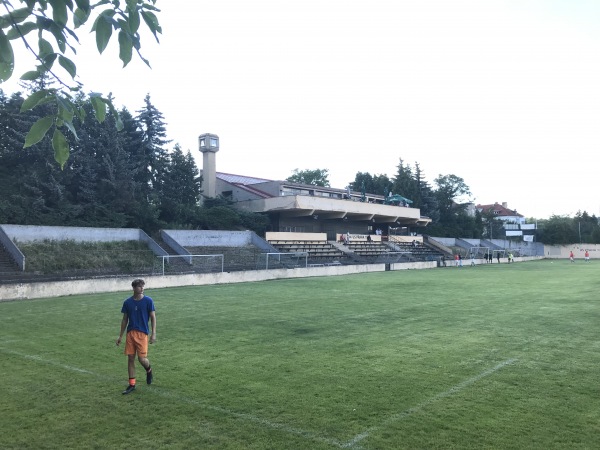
(9, 270)
(177, 265)
(7, 265)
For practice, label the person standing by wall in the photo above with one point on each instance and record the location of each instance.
(137, 311)
(571, 256)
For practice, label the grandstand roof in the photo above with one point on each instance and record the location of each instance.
(240, 179)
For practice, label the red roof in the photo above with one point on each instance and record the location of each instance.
(499, 210)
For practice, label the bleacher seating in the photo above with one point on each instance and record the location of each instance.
(316, 249)
(419, 251)
(366, 248)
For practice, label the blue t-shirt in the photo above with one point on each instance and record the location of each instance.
(138, 313)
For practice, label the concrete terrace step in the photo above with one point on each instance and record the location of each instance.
(7, 265)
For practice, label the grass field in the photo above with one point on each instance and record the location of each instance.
(486, 357)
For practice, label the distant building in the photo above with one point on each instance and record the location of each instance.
(298, 207)
(513, 223)
(501, 212)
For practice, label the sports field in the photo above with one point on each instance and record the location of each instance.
(486, 357)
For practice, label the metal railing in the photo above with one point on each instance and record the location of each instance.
(190, 259)
(292, 258)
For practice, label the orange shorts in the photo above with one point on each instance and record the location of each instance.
(136, 342)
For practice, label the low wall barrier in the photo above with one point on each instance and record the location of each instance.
(25, 291)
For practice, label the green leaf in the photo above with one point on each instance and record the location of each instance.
(16, 16)
(84, 5)
(152, 23)
(68, 65)
(59, 35)
(71, 128)
(21, 30)
(100, 3)
(103, 32)
(44, 23)
(48, 62)
(35, 99)
(115, 113)
(61, 148)
(131, 4)
(38, 130)
(146, 61)
(74, 36)
(123, 25)
(135, 39)
(45, 48)
(7, 58)
(99, 108)
(65, 107)
(59, 12)
(125, 47)
(151, 7)
(66, 113)
(80, 17)
(133, 19)
(6, 52)
(80, 113)
(30, 76)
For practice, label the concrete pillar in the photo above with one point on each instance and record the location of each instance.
(209, 146)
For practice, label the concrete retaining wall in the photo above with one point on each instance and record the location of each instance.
(23, 291)
(562, 251)
(210, 238)
(291, 236)
(414, 265)
(30, 233)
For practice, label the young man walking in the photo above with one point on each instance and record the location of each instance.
(137, 311)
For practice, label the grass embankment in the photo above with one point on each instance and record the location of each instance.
(60, 257)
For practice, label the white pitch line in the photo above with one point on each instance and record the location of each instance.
(164, 393)
(47, 361)
(401, 415)
(354, 443)
(252, 418)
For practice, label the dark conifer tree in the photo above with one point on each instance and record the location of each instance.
(425, 197)
(151, 122)
(404, 182)
(181, 189)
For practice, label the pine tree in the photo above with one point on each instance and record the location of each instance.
(180, 192)
(404, 182)
(142, 209)
(425, 197)
(35, 191)
(151, 122)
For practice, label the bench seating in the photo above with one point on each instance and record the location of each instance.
(363, 248)
(315, 249)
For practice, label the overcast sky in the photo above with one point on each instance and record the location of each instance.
(505, 94)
